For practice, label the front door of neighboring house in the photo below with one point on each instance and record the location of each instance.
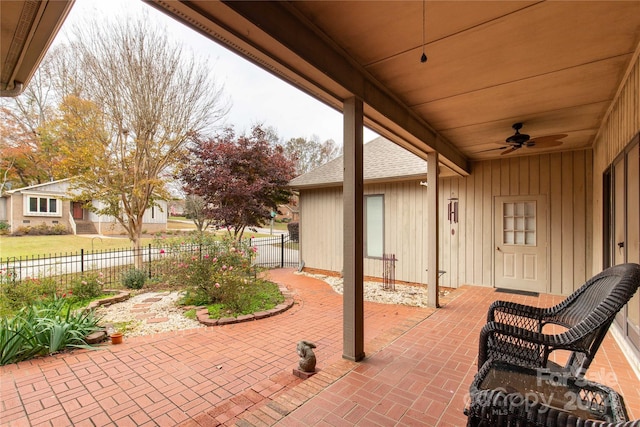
(521, 243)
(76, 209)
(622, 194)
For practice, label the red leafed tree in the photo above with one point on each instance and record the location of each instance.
(242, 179)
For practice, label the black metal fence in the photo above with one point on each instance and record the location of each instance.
(276, 251)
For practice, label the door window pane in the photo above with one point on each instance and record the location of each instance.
(519, 223)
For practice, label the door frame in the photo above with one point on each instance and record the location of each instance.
(547, 234)
(630, 335)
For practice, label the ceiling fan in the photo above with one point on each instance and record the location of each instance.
(519, 140)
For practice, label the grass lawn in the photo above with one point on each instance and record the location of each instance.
(173, 224)
(181, 223)
(45, 245)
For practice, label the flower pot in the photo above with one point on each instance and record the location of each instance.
(116, 338)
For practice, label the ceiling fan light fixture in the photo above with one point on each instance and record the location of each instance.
(517, 138)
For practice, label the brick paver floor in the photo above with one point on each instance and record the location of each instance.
(418, 368)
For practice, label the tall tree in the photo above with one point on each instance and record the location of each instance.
(153, 98)
(78, 132)
(195, 209)
(242, 179)
(25, 157)
(311, 153)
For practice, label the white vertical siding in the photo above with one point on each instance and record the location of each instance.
(3, 209)
(405, 229)
(572, 182)
(467, 248)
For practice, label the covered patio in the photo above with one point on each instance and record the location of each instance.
(419, 366)
(568, 71)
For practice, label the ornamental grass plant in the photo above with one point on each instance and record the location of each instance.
(45, 327)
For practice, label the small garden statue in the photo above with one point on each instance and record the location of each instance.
(307, 357)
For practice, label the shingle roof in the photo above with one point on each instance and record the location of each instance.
(383, 161)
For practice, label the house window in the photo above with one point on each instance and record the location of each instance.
(43, 206)
(374, 225)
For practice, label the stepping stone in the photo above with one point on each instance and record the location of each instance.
(144, 316)
(158, 320)
(96, 337)
(152, 300)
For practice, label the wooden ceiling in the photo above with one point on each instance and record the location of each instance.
(555, 66)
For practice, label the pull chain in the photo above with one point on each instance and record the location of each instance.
(423, 58)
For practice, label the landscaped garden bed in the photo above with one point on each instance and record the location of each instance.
(219, 280)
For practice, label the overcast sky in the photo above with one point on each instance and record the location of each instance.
(256, 95)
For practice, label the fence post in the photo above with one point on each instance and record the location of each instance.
(149, 260)
(81, 260)
(282, 251)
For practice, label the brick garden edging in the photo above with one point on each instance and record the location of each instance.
(119, 297)
(202, 314)
(101, 335)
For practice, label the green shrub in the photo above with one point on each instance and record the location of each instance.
(5, 228)
(223, 275)
(59, 229)
(134, 278)
(44, 328)
(20, 293)
(87, 286)
(41, 230)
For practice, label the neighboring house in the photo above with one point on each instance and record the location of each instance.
(176, 208)
(48, 203)
(395, 210)
(289, 212)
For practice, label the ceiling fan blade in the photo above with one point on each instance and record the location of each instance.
(546, 141)
(510, 150)
(544, 144)
(492, 149)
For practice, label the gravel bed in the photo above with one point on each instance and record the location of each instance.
(165, 308)
(415, 296)
(129, 311)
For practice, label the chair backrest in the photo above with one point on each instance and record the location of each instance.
(590, 310)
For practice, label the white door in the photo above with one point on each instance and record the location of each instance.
(521, 243)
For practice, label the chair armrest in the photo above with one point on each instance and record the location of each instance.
(511, 313)
(515, 345)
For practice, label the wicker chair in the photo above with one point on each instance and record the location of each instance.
(514, 332)
(499, 409)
